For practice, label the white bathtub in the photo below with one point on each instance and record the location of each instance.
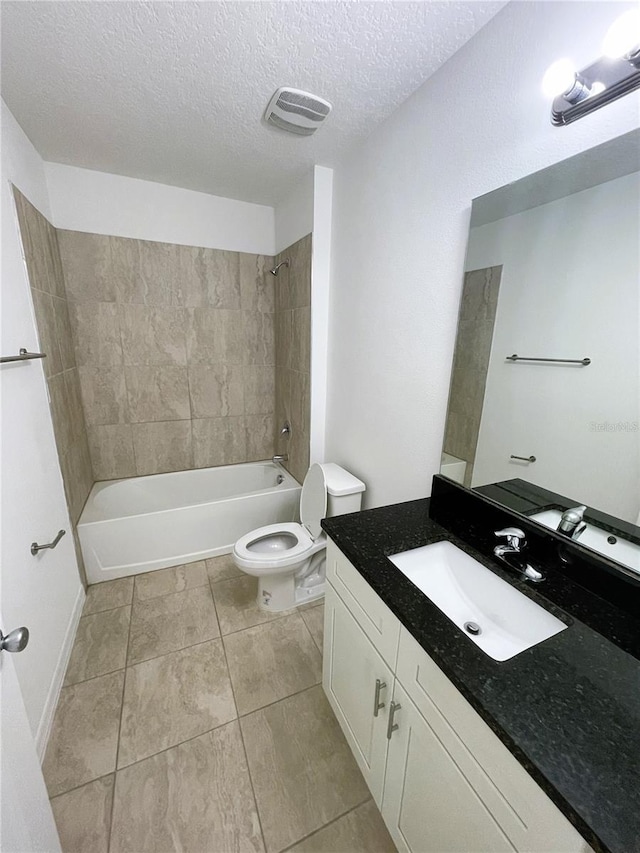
(135, 525)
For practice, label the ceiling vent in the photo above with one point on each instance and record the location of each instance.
(297, 111)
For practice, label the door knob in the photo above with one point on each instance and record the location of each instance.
(15, 641)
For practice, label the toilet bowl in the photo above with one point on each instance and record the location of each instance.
(289, 558)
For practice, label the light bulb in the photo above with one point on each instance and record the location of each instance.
(559, 77)
(623, 35)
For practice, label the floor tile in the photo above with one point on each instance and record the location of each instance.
(84, 737)
(100, 645)
(222, 568)
(269, 662)
(108, 595)
(194, 797)
(171, 622)
(173, 698)
(166, 581)
(83, 817)
(314, 620)
(236, 605)
(360, 831)
(303, 772)
(315, 603)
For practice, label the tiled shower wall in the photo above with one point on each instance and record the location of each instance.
(478, 306)
(293, 353)
(40, 246)
(175, 351)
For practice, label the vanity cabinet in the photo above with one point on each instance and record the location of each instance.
(443, 781)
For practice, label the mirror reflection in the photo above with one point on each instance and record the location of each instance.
(544, 405)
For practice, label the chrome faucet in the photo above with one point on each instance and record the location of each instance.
(572, 524)
(282, 457)
(515, 543)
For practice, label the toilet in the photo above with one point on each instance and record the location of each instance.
(288, 558)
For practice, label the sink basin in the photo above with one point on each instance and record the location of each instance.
(467, 592)
(622, 551)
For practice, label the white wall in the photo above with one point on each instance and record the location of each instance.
(294, 214)
(401, 213)
(569, 289)
(83, 200)
(44, 593)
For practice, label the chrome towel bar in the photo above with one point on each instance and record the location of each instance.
(35, 547)
(583, 361)
(24, 355)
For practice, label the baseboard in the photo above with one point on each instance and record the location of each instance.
(46, 720)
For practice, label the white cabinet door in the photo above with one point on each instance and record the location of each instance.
(429, 805)
(354, 675)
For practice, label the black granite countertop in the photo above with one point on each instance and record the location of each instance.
(568, 709)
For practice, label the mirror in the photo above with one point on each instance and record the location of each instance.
(544, 404)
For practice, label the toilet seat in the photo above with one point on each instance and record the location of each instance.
(278, 557)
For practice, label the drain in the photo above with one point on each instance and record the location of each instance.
(473, 628)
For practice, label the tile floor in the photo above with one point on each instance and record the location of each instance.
(191, 721)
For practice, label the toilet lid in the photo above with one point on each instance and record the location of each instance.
(313, 501)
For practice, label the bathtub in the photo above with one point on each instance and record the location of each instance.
(144, 523)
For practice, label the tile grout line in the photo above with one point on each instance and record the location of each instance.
(244, 747)
(329, 823)
(124, 684)
(309, 630)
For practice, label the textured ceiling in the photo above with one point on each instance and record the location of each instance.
(175, 92)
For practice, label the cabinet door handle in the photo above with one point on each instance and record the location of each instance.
(377, 704)
(391, 726)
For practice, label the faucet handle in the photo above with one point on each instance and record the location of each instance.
(515, 537)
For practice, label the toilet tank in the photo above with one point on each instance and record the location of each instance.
(344, 491)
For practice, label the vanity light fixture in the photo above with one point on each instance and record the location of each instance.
(616, 73)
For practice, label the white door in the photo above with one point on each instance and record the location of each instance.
(359, 686)
(26, 820)
(429, 805)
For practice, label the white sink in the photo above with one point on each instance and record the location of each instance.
(622, 551)
(467, 592)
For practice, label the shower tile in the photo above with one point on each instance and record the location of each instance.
(33, 231)
(60, 414)
(47, 331)
(78, 476)
(259, 338)
(216, 390)
(86, 260)
(75, 413)
(108, 595)
(146, 272)
(111, 448)
(84, 736)
(83, 816)
(259, 389)
(153, 335)
(219, 441)
(283, 338)
(96, 333)
(314, 620)
(100, 645)
(167, 581)
(237, 607)
(301, 340)
(361, 830)
(256, 283)
(300, 401)
(260, 432)
(104, 395)
(479, 299)
(56, 273)
(172, 698)
(302, 769)
(282, 288)
(157, 393)
(162, 446)
(271, 661)
(171, 622)
(194, 797)
(214, 335)
(208, 277)
(64, 336)
(222, 568)
(300, 273)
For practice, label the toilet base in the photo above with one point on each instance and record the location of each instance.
(277, 593)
